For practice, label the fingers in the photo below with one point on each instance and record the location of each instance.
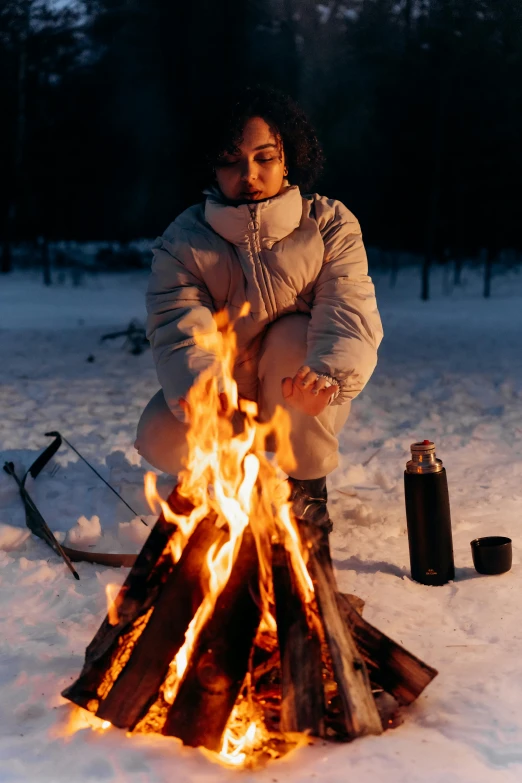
(309, 381)
(308, 400)
(320, 385)
(307, 391)
(287, 386)
(327, 393)
(305, 378)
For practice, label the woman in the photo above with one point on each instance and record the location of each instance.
(310, 341)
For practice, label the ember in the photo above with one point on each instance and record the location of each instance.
(229, 632)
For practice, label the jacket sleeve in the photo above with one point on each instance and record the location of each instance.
(345, 327)
(179, 307)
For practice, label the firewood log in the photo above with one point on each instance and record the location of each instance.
(302, 706)
(137, 686)
(219, 663)
(136, 597)
(360, 713)
(397, 671)
(356, 602)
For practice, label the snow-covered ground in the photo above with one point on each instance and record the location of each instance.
(449, 370)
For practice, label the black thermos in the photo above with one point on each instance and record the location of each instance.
(428, 516)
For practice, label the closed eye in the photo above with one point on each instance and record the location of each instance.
(223, 163)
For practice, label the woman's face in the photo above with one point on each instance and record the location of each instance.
(257, 171)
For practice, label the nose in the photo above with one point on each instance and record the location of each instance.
(248, 171)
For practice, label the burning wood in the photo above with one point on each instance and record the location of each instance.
(229, 632)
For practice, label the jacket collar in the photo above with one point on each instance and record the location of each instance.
(274, 218)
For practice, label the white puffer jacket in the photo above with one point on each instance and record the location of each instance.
(289, 254)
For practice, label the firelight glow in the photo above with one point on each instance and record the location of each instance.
(229, 476)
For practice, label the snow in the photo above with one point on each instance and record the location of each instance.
(449, 370)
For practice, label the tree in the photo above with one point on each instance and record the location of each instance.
(39, 45)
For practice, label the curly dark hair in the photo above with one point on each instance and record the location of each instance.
(303, 153)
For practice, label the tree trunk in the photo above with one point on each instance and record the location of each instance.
(457, 276)
(6, 265)
(46, 261)
(436, 172)
(17, 191)
(488, 271)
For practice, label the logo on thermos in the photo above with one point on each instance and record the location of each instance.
(431, 572)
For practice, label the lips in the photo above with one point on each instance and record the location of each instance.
(250, 194)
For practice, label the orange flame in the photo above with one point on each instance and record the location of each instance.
(79, 719)
(228, 473)
(234, 751)
(185, 525)
(112, 591)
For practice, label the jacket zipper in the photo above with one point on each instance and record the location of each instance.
(256, 255)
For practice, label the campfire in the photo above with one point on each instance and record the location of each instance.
(229, 632)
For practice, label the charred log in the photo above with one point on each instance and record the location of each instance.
(359, 711)
(219, 663)
(397, 671)
(302, 705)
(137, 686)
(136, 597)
(326, 670)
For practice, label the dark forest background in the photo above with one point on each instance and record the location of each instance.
(418, 104)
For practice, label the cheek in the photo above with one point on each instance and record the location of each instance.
(277, 177)
(226, 178)
(225, 175)
(274, 173)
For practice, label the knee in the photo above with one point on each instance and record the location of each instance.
(148, 423)
(145, 438)
(284, 345)
(160, 437)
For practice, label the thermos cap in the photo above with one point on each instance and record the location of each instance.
(423, 445)
(423, 458)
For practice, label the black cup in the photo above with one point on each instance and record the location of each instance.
(492, 554)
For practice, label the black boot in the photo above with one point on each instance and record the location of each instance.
(308, 498)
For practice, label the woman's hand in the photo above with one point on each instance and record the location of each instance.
(307, 392)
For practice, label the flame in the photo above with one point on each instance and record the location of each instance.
(112, 591)
(151, 492)
(234, 750)
(220, 561)
(123, 652)
(268, 622)
(185, 525)
(79, 719)
(293, 545)
(244, 738)
(231, 473)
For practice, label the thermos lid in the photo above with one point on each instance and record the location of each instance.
(423, 458)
